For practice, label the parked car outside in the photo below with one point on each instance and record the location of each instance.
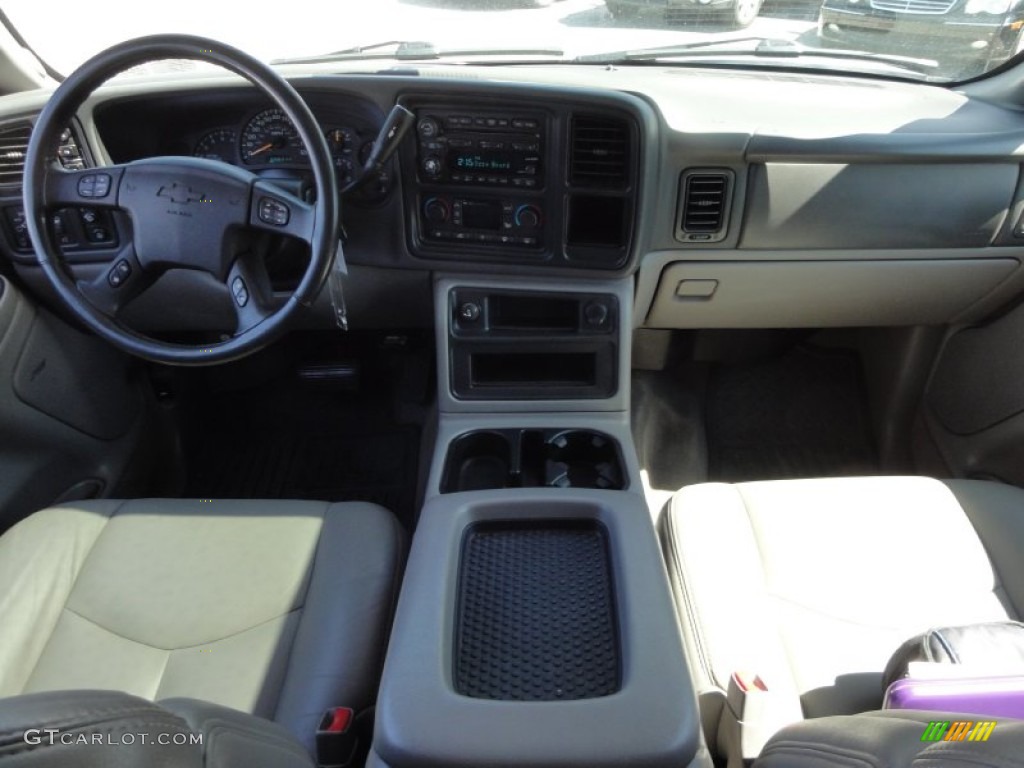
(740, 13)
(983, 32)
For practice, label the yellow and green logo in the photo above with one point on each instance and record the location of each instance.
(958, 730)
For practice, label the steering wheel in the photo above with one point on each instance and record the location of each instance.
(185, 213)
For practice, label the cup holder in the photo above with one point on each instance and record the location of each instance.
(531, 458)
(582, 459)
(478, 461)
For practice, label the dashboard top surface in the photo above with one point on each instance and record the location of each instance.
(806, 160)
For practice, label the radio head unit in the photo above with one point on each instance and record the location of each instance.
(499, 149)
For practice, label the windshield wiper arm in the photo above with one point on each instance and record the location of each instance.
(416, 50)
(662, 51)
(764, 48)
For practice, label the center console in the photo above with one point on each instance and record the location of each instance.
(535, 625)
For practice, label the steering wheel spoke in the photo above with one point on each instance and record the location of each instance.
(94, 187)
(251, 292)
(121, 280)
(274, 210)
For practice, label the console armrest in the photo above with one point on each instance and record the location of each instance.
(647, 717)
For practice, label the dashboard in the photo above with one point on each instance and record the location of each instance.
(729, 198)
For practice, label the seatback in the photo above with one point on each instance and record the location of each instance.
(275, 608)
(813, 584)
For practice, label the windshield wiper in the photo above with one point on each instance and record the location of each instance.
(780, 49)
(418, 50)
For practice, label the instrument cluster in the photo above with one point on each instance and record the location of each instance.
(268, 139)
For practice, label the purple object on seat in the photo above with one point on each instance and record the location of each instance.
(993, 696)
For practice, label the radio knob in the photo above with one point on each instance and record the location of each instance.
(428, 128)
(436, 210)
(527, 217)
(432, 166)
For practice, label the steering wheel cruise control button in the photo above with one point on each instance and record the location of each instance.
(273, 212)
(240, 291)
(94, 185)
(120, 272)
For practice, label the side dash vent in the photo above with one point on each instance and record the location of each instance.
(599, 152)
(13, 146)
(705, 196)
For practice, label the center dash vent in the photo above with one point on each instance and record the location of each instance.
(13, 146)
(599, 153)
(705, 196)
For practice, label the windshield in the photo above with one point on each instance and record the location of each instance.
(938, 40)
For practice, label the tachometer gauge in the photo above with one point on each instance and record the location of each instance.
(217, 145)
(271, 139)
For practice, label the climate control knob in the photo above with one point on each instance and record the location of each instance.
(527, 216)
(431, 166)
(436, 210)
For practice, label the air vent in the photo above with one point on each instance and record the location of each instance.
(13, 146)
(599, 153)
(704, 211)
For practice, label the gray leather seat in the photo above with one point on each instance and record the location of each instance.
(276, 608)
(813, 584)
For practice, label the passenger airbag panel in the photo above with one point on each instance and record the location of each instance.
(876, 205)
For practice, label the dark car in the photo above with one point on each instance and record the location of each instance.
(977, 33)
(740, 13)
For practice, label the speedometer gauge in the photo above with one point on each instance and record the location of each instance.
(217, 145)
(269, 138)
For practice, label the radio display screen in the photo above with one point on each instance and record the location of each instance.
(485, 162)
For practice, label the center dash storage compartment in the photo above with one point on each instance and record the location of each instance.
(531, 458)
(522, 345)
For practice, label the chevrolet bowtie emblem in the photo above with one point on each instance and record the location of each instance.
(179, 193)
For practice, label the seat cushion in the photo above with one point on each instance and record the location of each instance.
(275, 608)
(897, 740)
(814, 583)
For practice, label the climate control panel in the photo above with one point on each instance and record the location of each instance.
(508, 221)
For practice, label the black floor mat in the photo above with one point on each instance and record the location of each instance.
(801, 415)
(285, 438)
(378, 467)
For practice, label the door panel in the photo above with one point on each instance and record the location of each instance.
(71, 411)
(974, 408)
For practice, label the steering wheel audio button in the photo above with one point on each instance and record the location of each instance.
(120, 272)
(273, 212)
(94, 185)
(240, 291)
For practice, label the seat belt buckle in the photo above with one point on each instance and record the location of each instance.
(757, 711)
(337, 739)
